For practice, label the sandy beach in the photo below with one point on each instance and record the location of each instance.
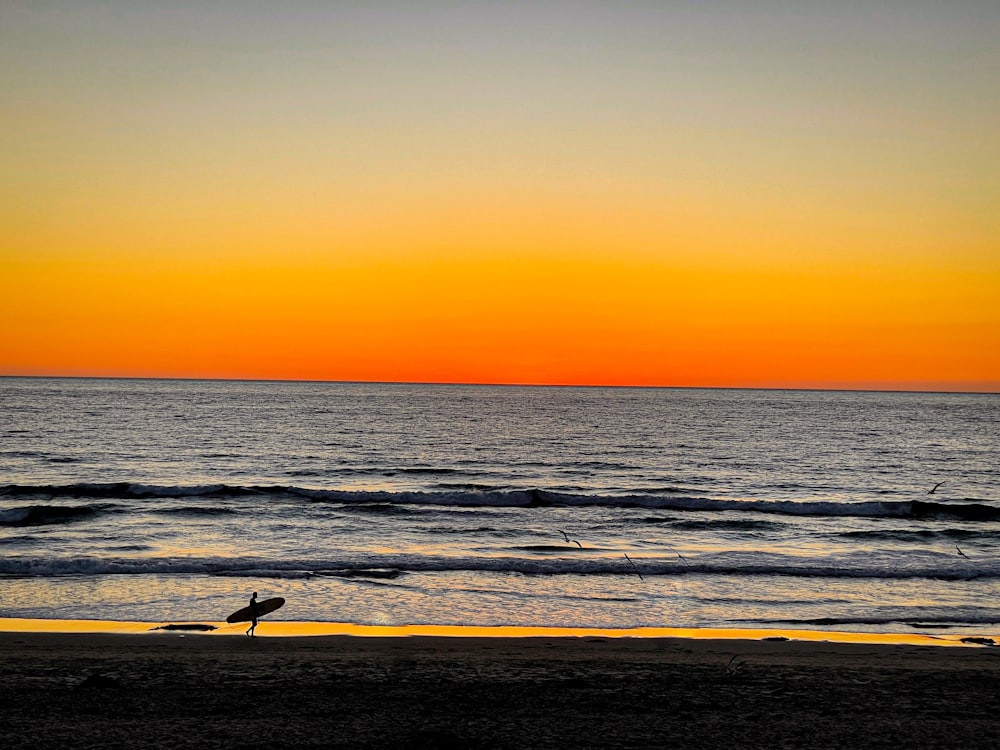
(173, 689)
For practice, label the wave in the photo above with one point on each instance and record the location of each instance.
(197, 510)
(383, 509)
(912, 535)
(388, 574)
(530, 498)
(491, 530)
(129, 490)
(939, 567)
(19, 540)
(44, 515)
(735, 524)
(990, 617)
(466, 487)
(44, 456)
(961, 511)
(354, 471)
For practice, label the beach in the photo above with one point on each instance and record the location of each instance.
(496, 567)
(177, 689)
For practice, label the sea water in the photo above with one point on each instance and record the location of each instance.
(391, 504)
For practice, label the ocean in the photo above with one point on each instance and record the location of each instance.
(394, 504)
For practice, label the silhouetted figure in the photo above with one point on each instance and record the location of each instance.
(253, 613)
(934, 488)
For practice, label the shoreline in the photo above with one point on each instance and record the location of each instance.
(308, 629)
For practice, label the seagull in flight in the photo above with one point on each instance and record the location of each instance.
(676, 553)
(934, 488)
(635, 568)
(568, 540)
(961, 553)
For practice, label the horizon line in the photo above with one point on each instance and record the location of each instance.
(802, 388)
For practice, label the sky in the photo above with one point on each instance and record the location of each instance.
(748, 194)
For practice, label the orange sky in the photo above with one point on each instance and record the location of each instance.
(550, 193)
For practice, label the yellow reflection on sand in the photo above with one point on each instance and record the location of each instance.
(286, 629)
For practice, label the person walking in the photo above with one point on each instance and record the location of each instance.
(253, 614)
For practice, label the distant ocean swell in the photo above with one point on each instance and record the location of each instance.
(966, 511)
(393, 565)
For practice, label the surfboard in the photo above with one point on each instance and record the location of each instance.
(263, 607)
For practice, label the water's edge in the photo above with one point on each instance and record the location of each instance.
(285, 629)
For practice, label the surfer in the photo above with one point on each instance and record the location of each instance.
(253, 614)
(255, 611)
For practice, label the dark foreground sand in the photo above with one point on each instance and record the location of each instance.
(172, 691)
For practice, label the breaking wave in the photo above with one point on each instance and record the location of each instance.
(392, 565)
(530, 498)
(44, 515)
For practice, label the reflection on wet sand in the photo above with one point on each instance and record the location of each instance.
(284, 628)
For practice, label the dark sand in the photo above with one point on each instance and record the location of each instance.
(167, 690)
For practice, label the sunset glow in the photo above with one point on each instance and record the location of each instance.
(564, 193)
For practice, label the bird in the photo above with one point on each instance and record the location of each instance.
(735, 665)
(676, 553)
(568, 540)
(935, 488)
(961, 553)
(635, 568)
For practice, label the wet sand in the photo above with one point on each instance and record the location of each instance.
(176, 690)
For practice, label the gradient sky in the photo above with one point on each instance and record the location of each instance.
(773, 194)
